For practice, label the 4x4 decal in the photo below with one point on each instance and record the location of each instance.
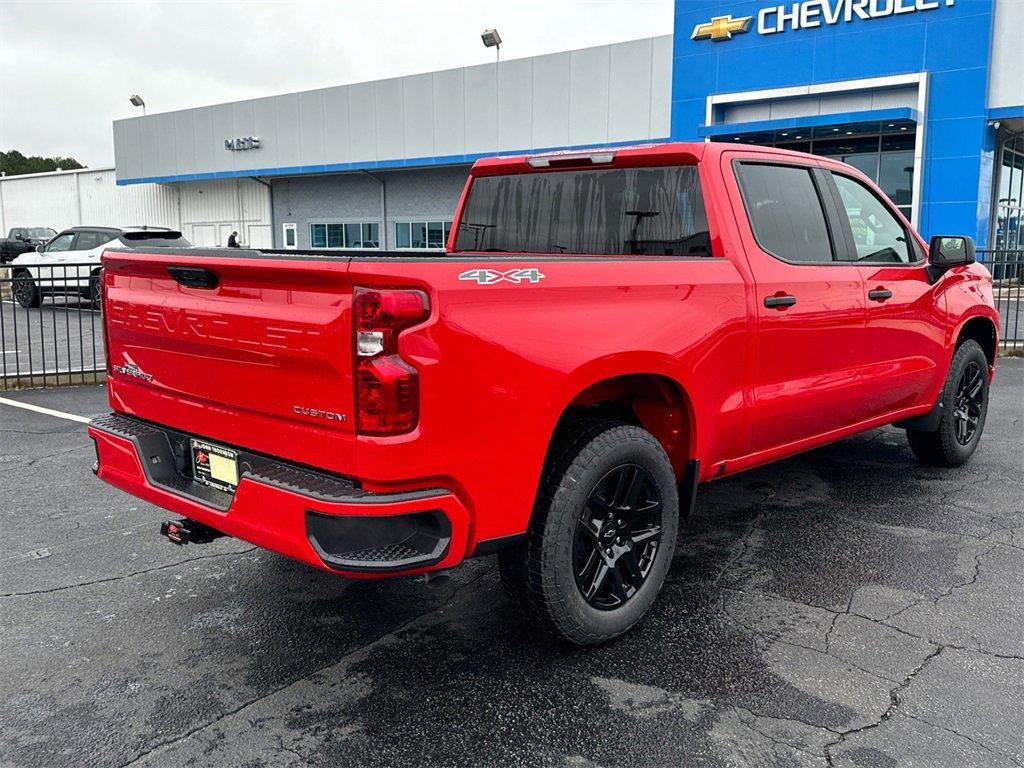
(493, 276)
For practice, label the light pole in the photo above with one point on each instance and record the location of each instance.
(492, 39)
(137, 101)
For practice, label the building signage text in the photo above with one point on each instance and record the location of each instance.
(810, 14)
(242, 143)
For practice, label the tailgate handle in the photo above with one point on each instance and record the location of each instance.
(193, 277)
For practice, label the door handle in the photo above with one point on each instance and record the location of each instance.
(879, 294)
(193, 277)
(779, 301)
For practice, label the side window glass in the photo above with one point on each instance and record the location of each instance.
(88, 240)
(785, 212)
(60, 243)
(878, 235)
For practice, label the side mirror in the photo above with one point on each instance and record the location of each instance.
(40, 248)
(950, 251)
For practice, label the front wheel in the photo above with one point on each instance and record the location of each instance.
(95, 295)
(26, 293)
(964, 401)
(602, 538)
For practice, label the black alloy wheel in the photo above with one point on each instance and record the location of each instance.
(95, 291)
(962, 407)
(617, 537)
(25, 291)
(968, 404)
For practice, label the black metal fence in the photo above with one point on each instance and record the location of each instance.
(1007, 268)
(51, 327)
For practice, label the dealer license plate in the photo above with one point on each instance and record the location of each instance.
(214, 466)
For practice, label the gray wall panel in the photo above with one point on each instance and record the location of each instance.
(205, 142)
(661, 87)
(337, 136)
(311, 128)
(1005, 84)
(449, 112)
(515, 104)
(223, 116)
(418, 110)
(551, 100)
(151, 156)
(481, 108)
(243, 124)
(362, 122)
(588, 96)
(617, 92)
(287, 138)
(629, 89)
(186, 140)
(264, 127)
(389, 96)
(168, 146)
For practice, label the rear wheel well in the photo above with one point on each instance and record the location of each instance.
(655, 403)
(983, 331)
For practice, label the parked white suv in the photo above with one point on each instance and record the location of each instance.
(69, 264)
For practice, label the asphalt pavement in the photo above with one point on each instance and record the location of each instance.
(846, 607)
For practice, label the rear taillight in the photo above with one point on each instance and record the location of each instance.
(387, 387)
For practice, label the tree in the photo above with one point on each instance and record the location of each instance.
(14, 163)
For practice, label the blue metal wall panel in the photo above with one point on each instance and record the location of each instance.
(952, 43)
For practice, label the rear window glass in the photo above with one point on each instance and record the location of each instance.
(785, 212)
(155, 239)
(620, 211)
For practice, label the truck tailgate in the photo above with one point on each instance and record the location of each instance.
(252, 349)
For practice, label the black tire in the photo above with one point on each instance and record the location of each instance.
(93, 295)
(546, 575)
(25, 290)
(964, 401)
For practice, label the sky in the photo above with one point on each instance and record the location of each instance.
(67, 69)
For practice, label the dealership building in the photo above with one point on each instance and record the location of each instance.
(924, 96)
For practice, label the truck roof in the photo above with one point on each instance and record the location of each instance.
(635, 155)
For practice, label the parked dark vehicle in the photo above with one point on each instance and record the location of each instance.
(23, 239)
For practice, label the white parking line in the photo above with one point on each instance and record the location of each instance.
(45, 411)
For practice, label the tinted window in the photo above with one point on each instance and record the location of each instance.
(785, 212)
(656, 211)
(155, 239)
(61, 243)
(878, 235)
(88, 240)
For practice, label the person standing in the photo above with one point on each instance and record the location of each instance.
(233, 240)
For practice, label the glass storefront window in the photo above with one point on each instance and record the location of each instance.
(429, 235)
(859, 151)
(1009, 202)
(340, 235)
(887, 159)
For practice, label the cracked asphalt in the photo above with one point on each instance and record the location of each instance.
(847, 607)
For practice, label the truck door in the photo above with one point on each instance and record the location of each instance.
(905, 331)
(810, 307)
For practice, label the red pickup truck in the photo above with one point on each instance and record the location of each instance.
(605, 330)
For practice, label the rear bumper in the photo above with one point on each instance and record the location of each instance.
(324, 520)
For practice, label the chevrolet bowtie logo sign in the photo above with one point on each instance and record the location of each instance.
(721, 28)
